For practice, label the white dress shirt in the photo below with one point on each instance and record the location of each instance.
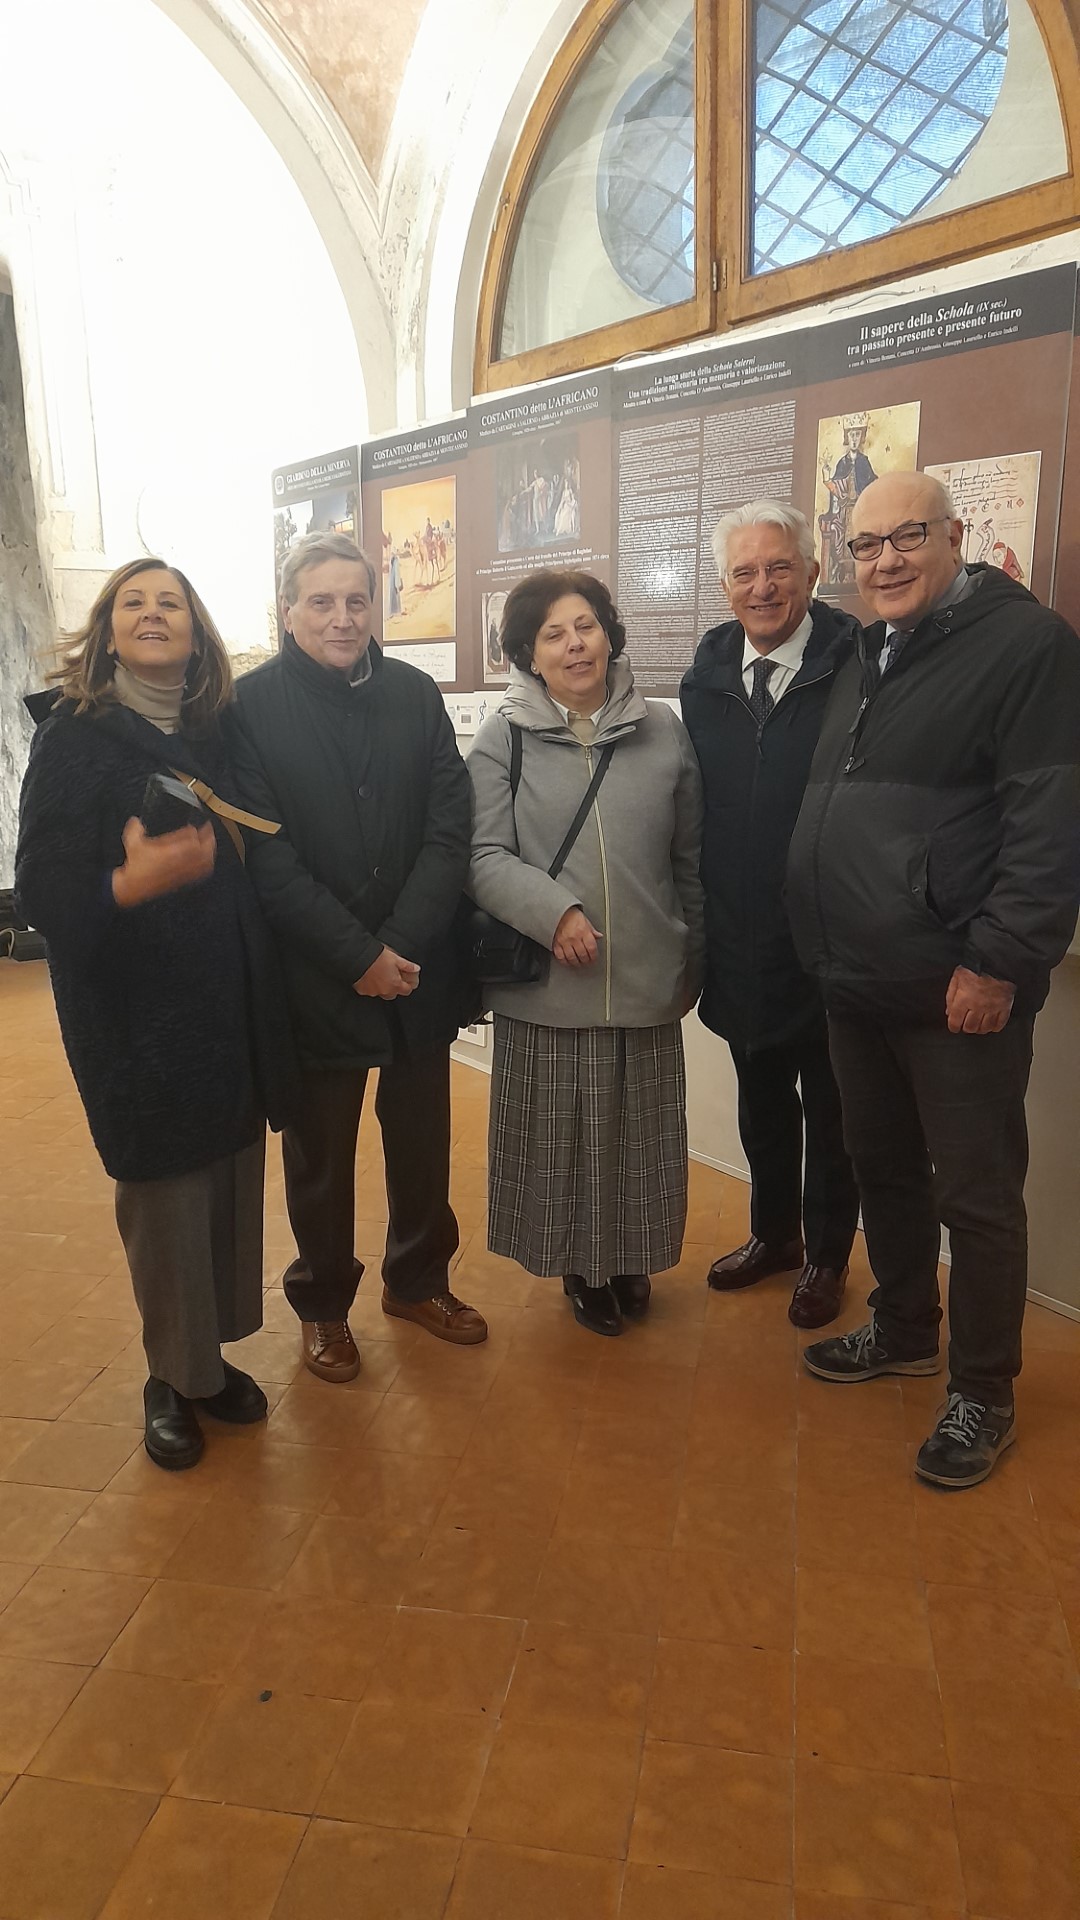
(785, 660)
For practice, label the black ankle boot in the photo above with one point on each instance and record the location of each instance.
(173, 1435)
(240, 1401)
(595, 1308)
(632, 1291)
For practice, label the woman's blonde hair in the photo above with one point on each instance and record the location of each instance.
(86, 668)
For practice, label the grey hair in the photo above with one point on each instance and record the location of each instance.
(311, 551)
(756, 513)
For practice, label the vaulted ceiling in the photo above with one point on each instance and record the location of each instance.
(357, 51)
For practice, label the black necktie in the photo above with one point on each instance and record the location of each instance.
(761, 700)
(892, 649)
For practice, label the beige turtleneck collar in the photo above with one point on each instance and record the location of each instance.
(159, 705)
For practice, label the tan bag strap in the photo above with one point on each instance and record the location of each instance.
(232, 818)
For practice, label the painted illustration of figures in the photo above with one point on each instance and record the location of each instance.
(531, 487)
(852, 473)
(997, 495)
(1002, 555)
(567, 514)
(420, 588)
(853, 449)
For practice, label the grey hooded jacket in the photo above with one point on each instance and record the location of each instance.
(634, 866)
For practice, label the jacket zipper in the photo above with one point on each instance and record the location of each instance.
(607, 894)
(847, 762)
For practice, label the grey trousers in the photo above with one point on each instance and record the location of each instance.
(194, 1248)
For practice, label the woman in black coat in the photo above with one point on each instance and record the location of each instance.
(165, 983)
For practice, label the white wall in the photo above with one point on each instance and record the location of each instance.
(181, 328)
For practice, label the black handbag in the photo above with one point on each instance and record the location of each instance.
(501, 956)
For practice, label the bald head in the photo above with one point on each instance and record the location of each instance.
(902, 587)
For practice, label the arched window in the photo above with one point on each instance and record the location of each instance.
(645, 181)
(688, 166)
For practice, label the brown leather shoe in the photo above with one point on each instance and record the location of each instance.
(330, 1352)
(753, 1262)
(817, 1296)
(444, 1315)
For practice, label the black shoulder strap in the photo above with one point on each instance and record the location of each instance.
(591, 792)
(578, 821)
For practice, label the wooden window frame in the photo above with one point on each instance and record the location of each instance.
(727, 295)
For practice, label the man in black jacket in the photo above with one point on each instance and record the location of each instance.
(753, 702)
(356, 756)
(933, 884)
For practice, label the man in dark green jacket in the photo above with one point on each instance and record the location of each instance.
(933, 883)
(355, 755)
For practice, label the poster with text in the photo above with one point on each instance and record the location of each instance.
(693, 438)
(412, 492)
(811, 418)
(540, 482)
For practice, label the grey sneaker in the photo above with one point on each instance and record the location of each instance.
(965, 1444)
(862, 1355)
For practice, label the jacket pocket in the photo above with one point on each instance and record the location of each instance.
(961, 861)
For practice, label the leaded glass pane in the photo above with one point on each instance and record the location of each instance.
(863, 27)
(890, 102)
(866, 162)
(950, 131)
(772, 97)
(608, 230)
(798, 121)
(833, 71)
(907, 42)
(980, 88)
(797, 53)
(830, 141)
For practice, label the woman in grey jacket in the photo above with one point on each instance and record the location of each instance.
(587, 1143)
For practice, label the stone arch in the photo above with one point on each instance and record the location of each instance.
(459, 116)
(263, 72)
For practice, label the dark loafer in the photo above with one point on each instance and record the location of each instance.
(595, 1308)
(818, 1294)
(173, 1437)
(632, 1291)
(241, 1400)
(752, 1262)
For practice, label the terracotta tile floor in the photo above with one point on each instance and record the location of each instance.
(554, 1629)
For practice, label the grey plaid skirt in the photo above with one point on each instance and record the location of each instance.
(587, 1162)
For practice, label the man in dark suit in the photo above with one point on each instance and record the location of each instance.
(354, 753)
(753, 702)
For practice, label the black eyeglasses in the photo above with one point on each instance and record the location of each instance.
(913, 533)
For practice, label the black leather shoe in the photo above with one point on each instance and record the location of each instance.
(173, 1436)
(753, 1262)
(817, 1296)
(632, 1291)
(595, 1308)
(241, 1400)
